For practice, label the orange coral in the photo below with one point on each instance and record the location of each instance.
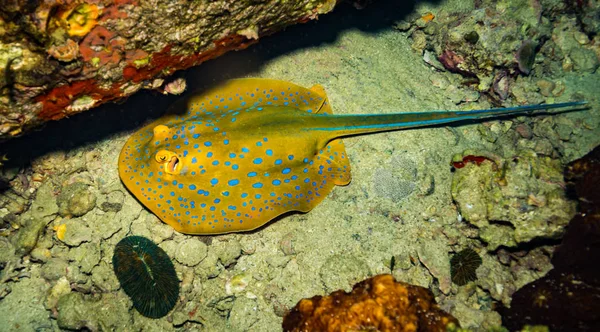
(428, 17)
(80, 19)
(376, 304)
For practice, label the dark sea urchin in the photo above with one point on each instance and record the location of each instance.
(463, 266)
(147, 275)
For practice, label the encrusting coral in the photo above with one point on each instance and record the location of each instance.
(376, 304)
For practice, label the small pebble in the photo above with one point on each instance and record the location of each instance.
(581, 38)
(546, 87)
(190, 252)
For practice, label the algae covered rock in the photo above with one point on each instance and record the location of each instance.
(99, 312)
(565, 299)
(76, 199)
(513, 200)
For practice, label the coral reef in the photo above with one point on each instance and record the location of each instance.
(107, 50)
(147, 275)
(567, 296)
(513, 200)
(500, 42)
(378, 303)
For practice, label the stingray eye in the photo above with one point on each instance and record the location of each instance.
(162, 156)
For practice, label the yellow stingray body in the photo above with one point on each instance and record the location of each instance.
(235, 157)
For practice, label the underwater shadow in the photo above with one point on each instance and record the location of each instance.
(109, 119)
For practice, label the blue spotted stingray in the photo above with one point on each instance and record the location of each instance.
(245, 152)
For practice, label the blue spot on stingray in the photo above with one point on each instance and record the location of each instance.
(233, 182)
(278, 162)
(226, 142)
(257, 161)
(192, 187)
(276, 182)
(291, 157)
(232, 155)
(257, 185)
(194, 160)
(196, 135)
(244, 195)
(286, 171)
(172, 193)
(207, 143)
(245, 150)
(214, 181)
(269, 152)
(235, 167)
(251, 174)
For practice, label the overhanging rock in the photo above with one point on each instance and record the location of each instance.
(59, 58)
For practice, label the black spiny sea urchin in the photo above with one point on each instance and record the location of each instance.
(146, 275)
(463, 266)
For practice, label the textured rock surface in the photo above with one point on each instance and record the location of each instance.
(565, 297)
(513, 200)
(61, 58)
(379, 303)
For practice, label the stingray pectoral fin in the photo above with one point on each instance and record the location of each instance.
(336, 165)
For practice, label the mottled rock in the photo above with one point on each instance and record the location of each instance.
(86, 255)
(76, 199)
(109, 311)
(434, 255)
(209, 267)
(228, 251)
(54, 269)
(27, 236)
(584, 60)
(566, 296)
(243, 314)
(108, 224)
(191, 251)
(513, 200)
(104, 277)
(60, 288)
(546, 87)
(76, 232)
(343, 270)
(23, 308)
(112, 202)
(7, 251)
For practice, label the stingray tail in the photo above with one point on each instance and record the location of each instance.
(344, 125)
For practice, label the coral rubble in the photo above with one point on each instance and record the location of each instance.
(378, 303)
